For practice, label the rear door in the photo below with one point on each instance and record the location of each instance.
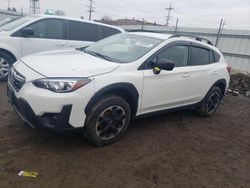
(202, 71)
(81, 34)
(48, 35)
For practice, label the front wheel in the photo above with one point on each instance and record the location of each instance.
(107, 121)
(5, 63)
(210, 103)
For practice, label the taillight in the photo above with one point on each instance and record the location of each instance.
(229, 69)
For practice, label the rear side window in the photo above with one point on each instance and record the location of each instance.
(211, 57)
(48, 28)
(82, 31)
(200, 56)
(216, 56)
(108, 31)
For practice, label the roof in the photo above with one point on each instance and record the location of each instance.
(76, 19)
(167, 36)
(151, 34)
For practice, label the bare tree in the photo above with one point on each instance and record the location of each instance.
(59, 13)
(107, 18)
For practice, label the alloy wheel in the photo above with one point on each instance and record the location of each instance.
(4, 67)
(213, 101)
(110, 122)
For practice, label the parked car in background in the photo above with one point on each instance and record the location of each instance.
(102, 87)
(8, 20)
(37, 33)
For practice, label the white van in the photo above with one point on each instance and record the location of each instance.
(37, 33)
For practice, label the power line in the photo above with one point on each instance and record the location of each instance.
(169, 9)
(91, 8)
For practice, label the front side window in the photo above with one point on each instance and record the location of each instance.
(123, 48)
(177, 54)
(81, 31)
(48, 28)
(200, 56)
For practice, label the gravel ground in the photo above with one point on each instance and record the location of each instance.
(172, 150)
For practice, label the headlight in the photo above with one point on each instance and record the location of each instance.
(61, 85)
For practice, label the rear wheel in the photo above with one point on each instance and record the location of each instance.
(6, 62)
(210, 103)
(108, 120)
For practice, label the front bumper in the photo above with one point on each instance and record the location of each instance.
(55, 121)
(45, 106)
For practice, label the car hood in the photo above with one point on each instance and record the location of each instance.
(68, 63)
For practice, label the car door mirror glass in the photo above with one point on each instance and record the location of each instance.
(163, 64)
(28, 32)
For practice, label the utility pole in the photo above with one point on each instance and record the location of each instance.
(8, 4)
(91, 9)
(176, 25)
(142, 24)
(169, 9)
(222, 24)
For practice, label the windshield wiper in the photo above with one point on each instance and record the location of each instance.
(96, 54)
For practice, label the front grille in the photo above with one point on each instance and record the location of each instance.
(16, 79)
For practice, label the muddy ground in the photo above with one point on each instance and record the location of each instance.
(172, 150)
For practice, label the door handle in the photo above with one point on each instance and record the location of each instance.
(214, 73)
(60, 44)
(185, 75)
(74, 45)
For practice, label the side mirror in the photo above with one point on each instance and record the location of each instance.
(163, 64)
(28, 32)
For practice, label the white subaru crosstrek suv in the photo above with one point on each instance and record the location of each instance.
(38, 33)
(100, 88)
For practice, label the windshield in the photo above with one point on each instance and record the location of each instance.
(7, 20)
(123, 48)
(16, 23)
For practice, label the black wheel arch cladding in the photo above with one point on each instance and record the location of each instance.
(125, 90)
(8, 53)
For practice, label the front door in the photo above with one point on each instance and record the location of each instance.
(48, 35)
(168, 89)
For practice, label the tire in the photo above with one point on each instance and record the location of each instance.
(210, 103)
(6, 61)
(107, 121)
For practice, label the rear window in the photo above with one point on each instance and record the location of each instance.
(81, 31)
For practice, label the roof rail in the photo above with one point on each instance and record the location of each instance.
(193, 36)
(143, 30)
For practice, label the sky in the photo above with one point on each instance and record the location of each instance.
(191, 13)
